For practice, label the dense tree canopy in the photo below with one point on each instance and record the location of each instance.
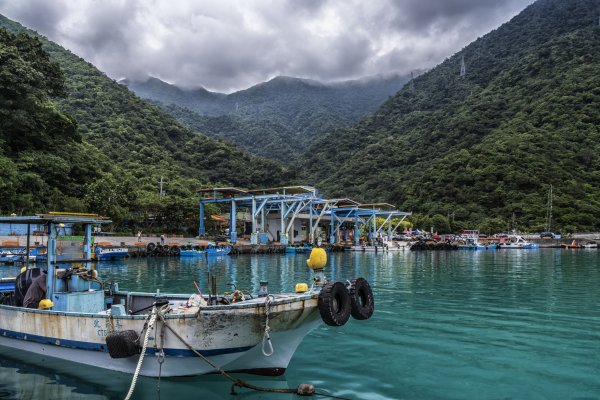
(277, 119)
(73, 139)
(488, 145)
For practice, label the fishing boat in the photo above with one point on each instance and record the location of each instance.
(85, 321)
(516, 242)
(298, 249)
(191, 251)
(469, 240)
(572, 245)
(110, 253)
(11, 256)
(217, 250)
(470, 244)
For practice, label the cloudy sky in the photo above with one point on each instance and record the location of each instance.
(227, 45)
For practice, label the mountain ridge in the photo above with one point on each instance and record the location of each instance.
(131, 144)
(437, 150)
(282, 109)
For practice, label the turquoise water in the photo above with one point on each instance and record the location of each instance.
(505, 324)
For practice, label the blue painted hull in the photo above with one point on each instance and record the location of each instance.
(191, 253)
(218, 251)
(112, 256)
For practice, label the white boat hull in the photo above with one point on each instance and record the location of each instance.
(230, 336)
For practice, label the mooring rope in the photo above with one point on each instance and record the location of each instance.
(267, 335)
(139, 364)
(240, 382)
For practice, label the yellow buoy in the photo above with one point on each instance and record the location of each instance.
(318, 258)
(45, 304)
(301, 288)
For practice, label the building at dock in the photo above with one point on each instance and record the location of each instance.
(298, 214)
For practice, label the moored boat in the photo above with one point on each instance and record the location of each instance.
(298, 249)
(516, 242)
(83, 321)
(110, 253)
(572, 245)
(217, 250)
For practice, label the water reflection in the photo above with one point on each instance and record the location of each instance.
(39, 378)
(447, 325)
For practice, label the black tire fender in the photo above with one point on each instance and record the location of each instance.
(334, 304)
(150, 247)
(361, 299)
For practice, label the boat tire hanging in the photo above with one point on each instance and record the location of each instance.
(361, 299)
(150, 247)
(122, 344)
(334, 304)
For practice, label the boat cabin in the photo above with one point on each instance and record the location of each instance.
(72, 287)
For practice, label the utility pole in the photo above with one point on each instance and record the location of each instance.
(463, 70)
(161, 192)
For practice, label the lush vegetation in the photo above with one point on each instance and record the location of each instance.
(276, 119)
(483, 148)
(73, 139)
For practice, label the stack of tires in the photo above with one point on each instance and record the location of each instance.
(338, 301)
(155, 249)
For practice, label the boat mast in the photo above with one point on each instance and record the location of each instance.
(549, 211)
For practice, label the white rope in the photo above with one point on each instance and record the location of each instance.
(267, 336)
(139, 364)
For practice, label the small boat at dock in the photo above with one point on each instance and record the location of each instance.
(298, 249)
(217, 250)
(86, 321)
(516, 242)
(110, 253)
(572, 245)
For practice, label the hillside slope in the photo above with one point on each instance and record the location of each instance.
(284, 110)
(486, 146)
(130, 140)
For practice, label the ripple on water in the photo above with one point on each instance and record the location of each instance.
(448, 325)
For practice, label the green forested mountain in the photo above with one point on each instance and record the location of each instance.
(261, 137)
(71, 138)
(485, 146)
(276, 119)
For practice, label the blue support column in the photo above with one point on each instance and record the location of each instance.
(201, 230)
(87, 242)
(332, 235)
(373, 235)
(283, 238)
(356, 237)
(311, 237)
(232, 223)
(254, 234)
(51, 259)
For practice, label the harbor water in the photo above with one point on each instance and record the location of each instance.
(495, 324)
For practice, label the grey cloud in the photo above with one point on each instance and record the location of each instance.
(232, 45)
(42, 16)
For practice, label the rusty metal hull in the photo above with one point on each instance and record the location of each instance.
(229, 335)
